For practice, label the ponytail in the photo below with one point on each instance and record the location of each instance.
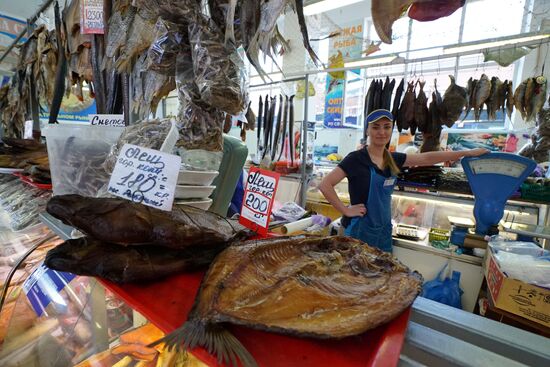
(389, 162)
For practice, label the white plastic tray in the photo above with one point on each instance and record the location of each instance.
(196, 178)
(201, 204)
(193, 192)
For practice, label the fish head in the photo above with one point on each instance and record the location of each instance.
(64, 206)
(69, 253)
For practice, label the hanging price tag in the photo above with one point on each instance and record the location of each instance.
(259, 194)
(145, 176)
(106, 120)
(91, 17)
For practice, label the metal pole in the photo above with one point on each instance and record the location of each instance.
(33, 98)
(303, 171)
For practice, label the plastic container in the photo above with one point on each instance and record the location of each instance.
(201, 204)
(76, 154)
(197, 178)
(193, 192)
(438, 234)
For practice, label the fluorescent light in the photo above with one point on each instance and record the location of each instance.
(370, 61)
(327, 5)
(484, 45)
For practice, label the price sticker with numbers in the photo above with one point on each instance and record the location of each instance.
(259, 195)
(145, 176)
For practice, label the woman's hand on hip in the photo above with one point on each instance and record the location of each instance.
(357, 210)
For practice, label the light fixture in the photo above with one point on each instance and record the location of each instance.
(371, 61)
(497, 43)
(327, 5)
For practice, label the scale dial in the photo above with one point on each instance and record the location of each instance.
(497, 166)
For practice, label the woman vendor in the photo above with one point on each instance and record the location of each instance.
(371, 173)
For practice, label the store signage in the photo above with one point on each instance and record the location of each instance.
(106, 120)
(91, 17)
(145, 176)
(42, 287)
(259, 194)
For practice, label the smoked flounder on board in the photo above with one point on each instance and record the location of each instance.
(324, 288)
(123, 222)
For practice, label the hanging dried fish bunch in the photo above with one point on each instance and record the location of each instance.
(163, 52)
(217, 68)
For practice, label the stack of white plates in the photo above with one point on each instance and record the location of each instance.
(194, 188)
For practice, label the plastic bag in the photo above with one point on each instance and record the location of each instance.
(200, 126)
(290, 211)
(446, 291)
(498, 244)
(163, 52)
(527, 268)
(217, 67)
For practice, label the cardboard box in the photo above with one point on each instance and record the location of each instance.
(517, 297)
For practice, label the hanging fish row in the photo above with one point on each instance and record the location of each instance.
(276, 127)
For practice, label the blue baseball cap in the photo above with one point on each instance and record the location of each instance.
(379, 114)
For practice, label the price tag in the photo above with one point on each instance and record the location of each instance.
(43, 286)
(106, 120)
(259, 194)
(91, 17)
(145, 176)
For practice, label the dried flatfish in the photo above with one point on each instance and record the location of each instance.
(405, 116)
(385, 13)
(455, 100)
(336, 286)
(538, 98)
(124, 264)
(123, 222)
(519, 96)
(481, 94)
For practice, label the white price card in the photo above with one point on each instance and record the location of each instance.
(145, 176)
(91, 17)
(259, 195)
(106, 120)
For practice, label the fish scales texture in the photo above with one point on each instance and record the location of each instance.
(325, 288)
(122, 222)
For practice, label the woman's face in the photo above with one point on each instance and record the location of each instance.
(380, 132)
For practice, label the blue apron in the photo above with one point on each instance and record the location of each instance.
(375, 228)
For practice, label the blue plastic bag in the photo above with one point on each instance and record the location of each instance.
(446, 291)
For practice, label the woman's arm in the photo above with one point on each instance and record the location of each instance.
(327, 188)
(431, 158)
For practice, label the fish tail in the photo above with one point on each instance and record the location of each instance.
(214, 338)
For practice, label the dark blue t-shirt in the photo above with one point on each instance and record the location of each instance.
(357, 165)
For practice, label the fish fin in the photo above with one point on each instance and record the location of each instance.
(214, 338)
(230, 22)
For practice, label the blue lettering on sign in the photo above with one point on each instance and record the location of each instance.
(42, 287)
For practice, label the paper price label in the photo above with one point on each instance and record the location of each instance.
(145, 176)
(259, 195)
(106, 120)
(91, 17)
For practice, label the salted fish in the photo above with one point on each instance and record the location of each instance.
(519, 96)
(455, 100)
(482, 92)
(326, 288)
(385, 13)
(123, 222)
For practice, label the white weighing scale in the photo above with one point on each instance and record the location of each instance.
(494, 178)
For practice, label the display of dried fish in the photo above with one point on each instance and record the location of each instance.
(162, 54)
(455, 100)
(519, 96)
(538, 98)
(338, 287)
(123, 222)
(124, 264)
(492, 101)
(510, 99)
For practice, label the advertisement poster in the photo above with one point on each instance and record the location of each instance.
(348, 45)
(10, 28)
(73, 109)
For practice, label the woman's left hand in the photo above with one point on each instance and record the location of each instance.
(476, 152)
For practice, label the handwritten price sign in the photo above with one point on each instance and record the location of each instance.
(259, 194)
(145, 176)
